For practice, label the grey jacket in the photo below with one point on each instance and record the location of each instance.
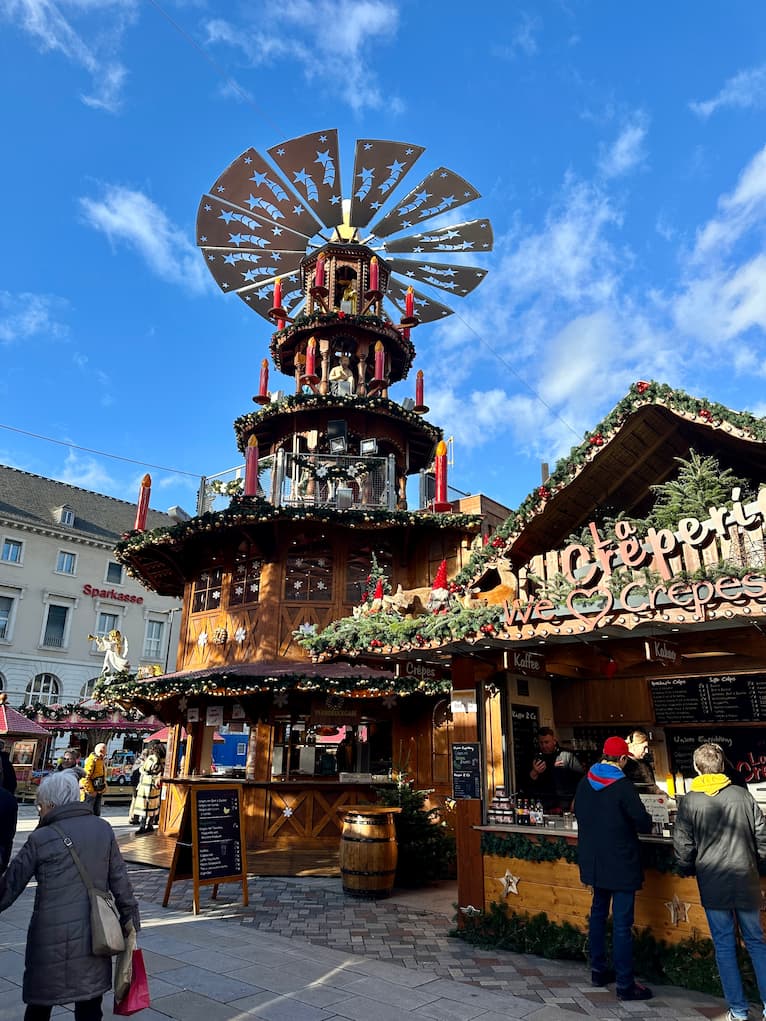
(59, 966)
(722, 839)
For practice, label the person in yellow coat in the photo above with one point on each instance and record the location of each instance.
(93, 784)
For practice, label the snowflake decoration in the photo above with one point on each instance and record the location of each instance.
(287, 812)
(389, 701)
(298, 584)
(240, 635)
(183, 703)
(216, 595)
(320, 562)
(280, 699)
(307, 629)
(321, 586)
(202, 640)
(254, 586)
(299, 562)
(238, 590)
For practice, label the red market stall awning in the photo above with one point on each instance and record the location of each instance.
(14, 722)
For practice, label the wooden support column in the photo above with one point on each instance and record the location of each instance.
(470, 863)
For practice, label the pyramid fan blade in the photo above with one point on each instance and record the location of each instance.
(426, 309)
(250, 183)
(312, 165)
(379, 166)
(438, 193)
(221, 225)
(457, 279)
(260, 298)
(234, 270)
(472, 236)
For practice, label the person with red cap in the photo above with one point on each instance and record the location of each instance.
(610, 815)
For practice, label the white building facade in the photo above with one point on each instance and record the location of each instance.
(60, 583)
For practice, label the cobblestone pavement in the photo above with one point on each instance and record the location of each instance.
(395, 956)
(316, 910)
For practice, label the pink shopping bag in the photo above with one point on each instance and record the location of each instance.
(137, 997)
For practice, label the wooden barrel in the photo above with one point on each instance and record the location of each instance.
(368, 850)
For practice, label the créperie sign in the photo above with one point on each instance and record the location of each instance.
(110, 593)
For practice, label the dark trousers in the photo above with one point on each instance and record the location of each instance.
(84, 1010)
(622, 902)
(94, 802)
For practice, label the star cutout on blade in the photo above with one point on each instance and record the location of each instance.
(509, 883)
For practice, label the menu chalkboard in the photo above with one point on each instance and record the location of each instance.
(210, 848)
(525, 723)
(745, 748)
(724, 698)
(466, 770)
(218, 847)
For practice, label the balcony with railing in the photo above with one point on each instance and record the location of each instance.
(288, 479)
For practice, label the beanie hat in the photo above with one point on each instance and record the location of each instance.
(614, 747)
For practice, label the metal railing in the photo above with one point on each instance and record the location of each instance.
(288, 479)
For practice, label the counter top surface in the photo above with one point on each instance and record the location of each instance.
(559, 831)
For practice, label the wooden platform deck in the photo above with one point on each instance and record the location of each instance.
(157, 850)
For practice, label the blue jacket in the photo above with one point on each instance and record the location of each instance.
(610, 815)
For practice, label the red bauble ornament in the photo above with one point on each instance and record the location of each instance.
(642, 386)
(543, 492)
(597, 440)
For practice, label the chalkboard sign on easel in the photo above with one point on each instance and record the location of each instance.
(211, 847)
(466, 770)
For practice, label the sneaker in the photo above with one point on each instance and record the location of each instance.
(635, 992)
(602, 978)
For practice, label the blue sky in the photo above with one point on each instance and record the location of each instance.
(620, 151)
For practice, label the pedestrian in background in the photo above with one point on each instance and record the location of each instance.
(93, 782)
(9, 812)
(60, 967)
(9, 773)
(720, 836)
(610, 815)
(146, 803)
(71, 760)
(554, 775)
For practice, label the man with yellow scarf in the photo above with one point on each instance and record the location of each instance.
(720, 836)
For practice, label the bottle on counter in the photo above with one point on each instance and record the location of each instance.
(670, 783)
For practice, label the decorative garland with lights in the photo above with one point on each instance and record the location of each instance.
(246, 424)
(57, 713)
(252, 509)
(126, 687)
(316, 320)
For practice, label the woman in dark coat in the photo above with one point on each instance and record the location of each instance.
(59, 965)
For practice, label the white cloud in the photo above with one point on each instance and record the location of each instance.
(84, 471)
(523, 39)
(52, 30)
(25, 315)
(329, 41)
(746, 90)
(627, 152)
(132, 218)
(738, 213)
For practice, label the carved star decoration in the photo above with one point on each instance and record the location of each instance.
(679, 910)
(509, 883)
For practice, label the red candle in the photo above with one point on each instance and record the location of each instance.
(311, 357)
(277, 293)
(251, 467)
(409, 303)
(319, 271)
(143, 503)
(440, 469)
(263, 386)
(419, 402)
(374, 273)
(380, 356)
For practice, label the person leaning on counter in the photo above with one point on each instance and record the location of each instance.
(637, 767)
(554, 774)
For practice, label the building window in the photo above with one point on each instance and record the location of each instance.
(2, 683)
(54, 635)
(245, 582)
(12, 551)
(6, 609)
(114, 573)
(86, 691)
(66, 516)
(358, 567)
(44, 688)
(106, 622)
(153, 637)
(308, 577)
(207, 591)
(65, 562)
